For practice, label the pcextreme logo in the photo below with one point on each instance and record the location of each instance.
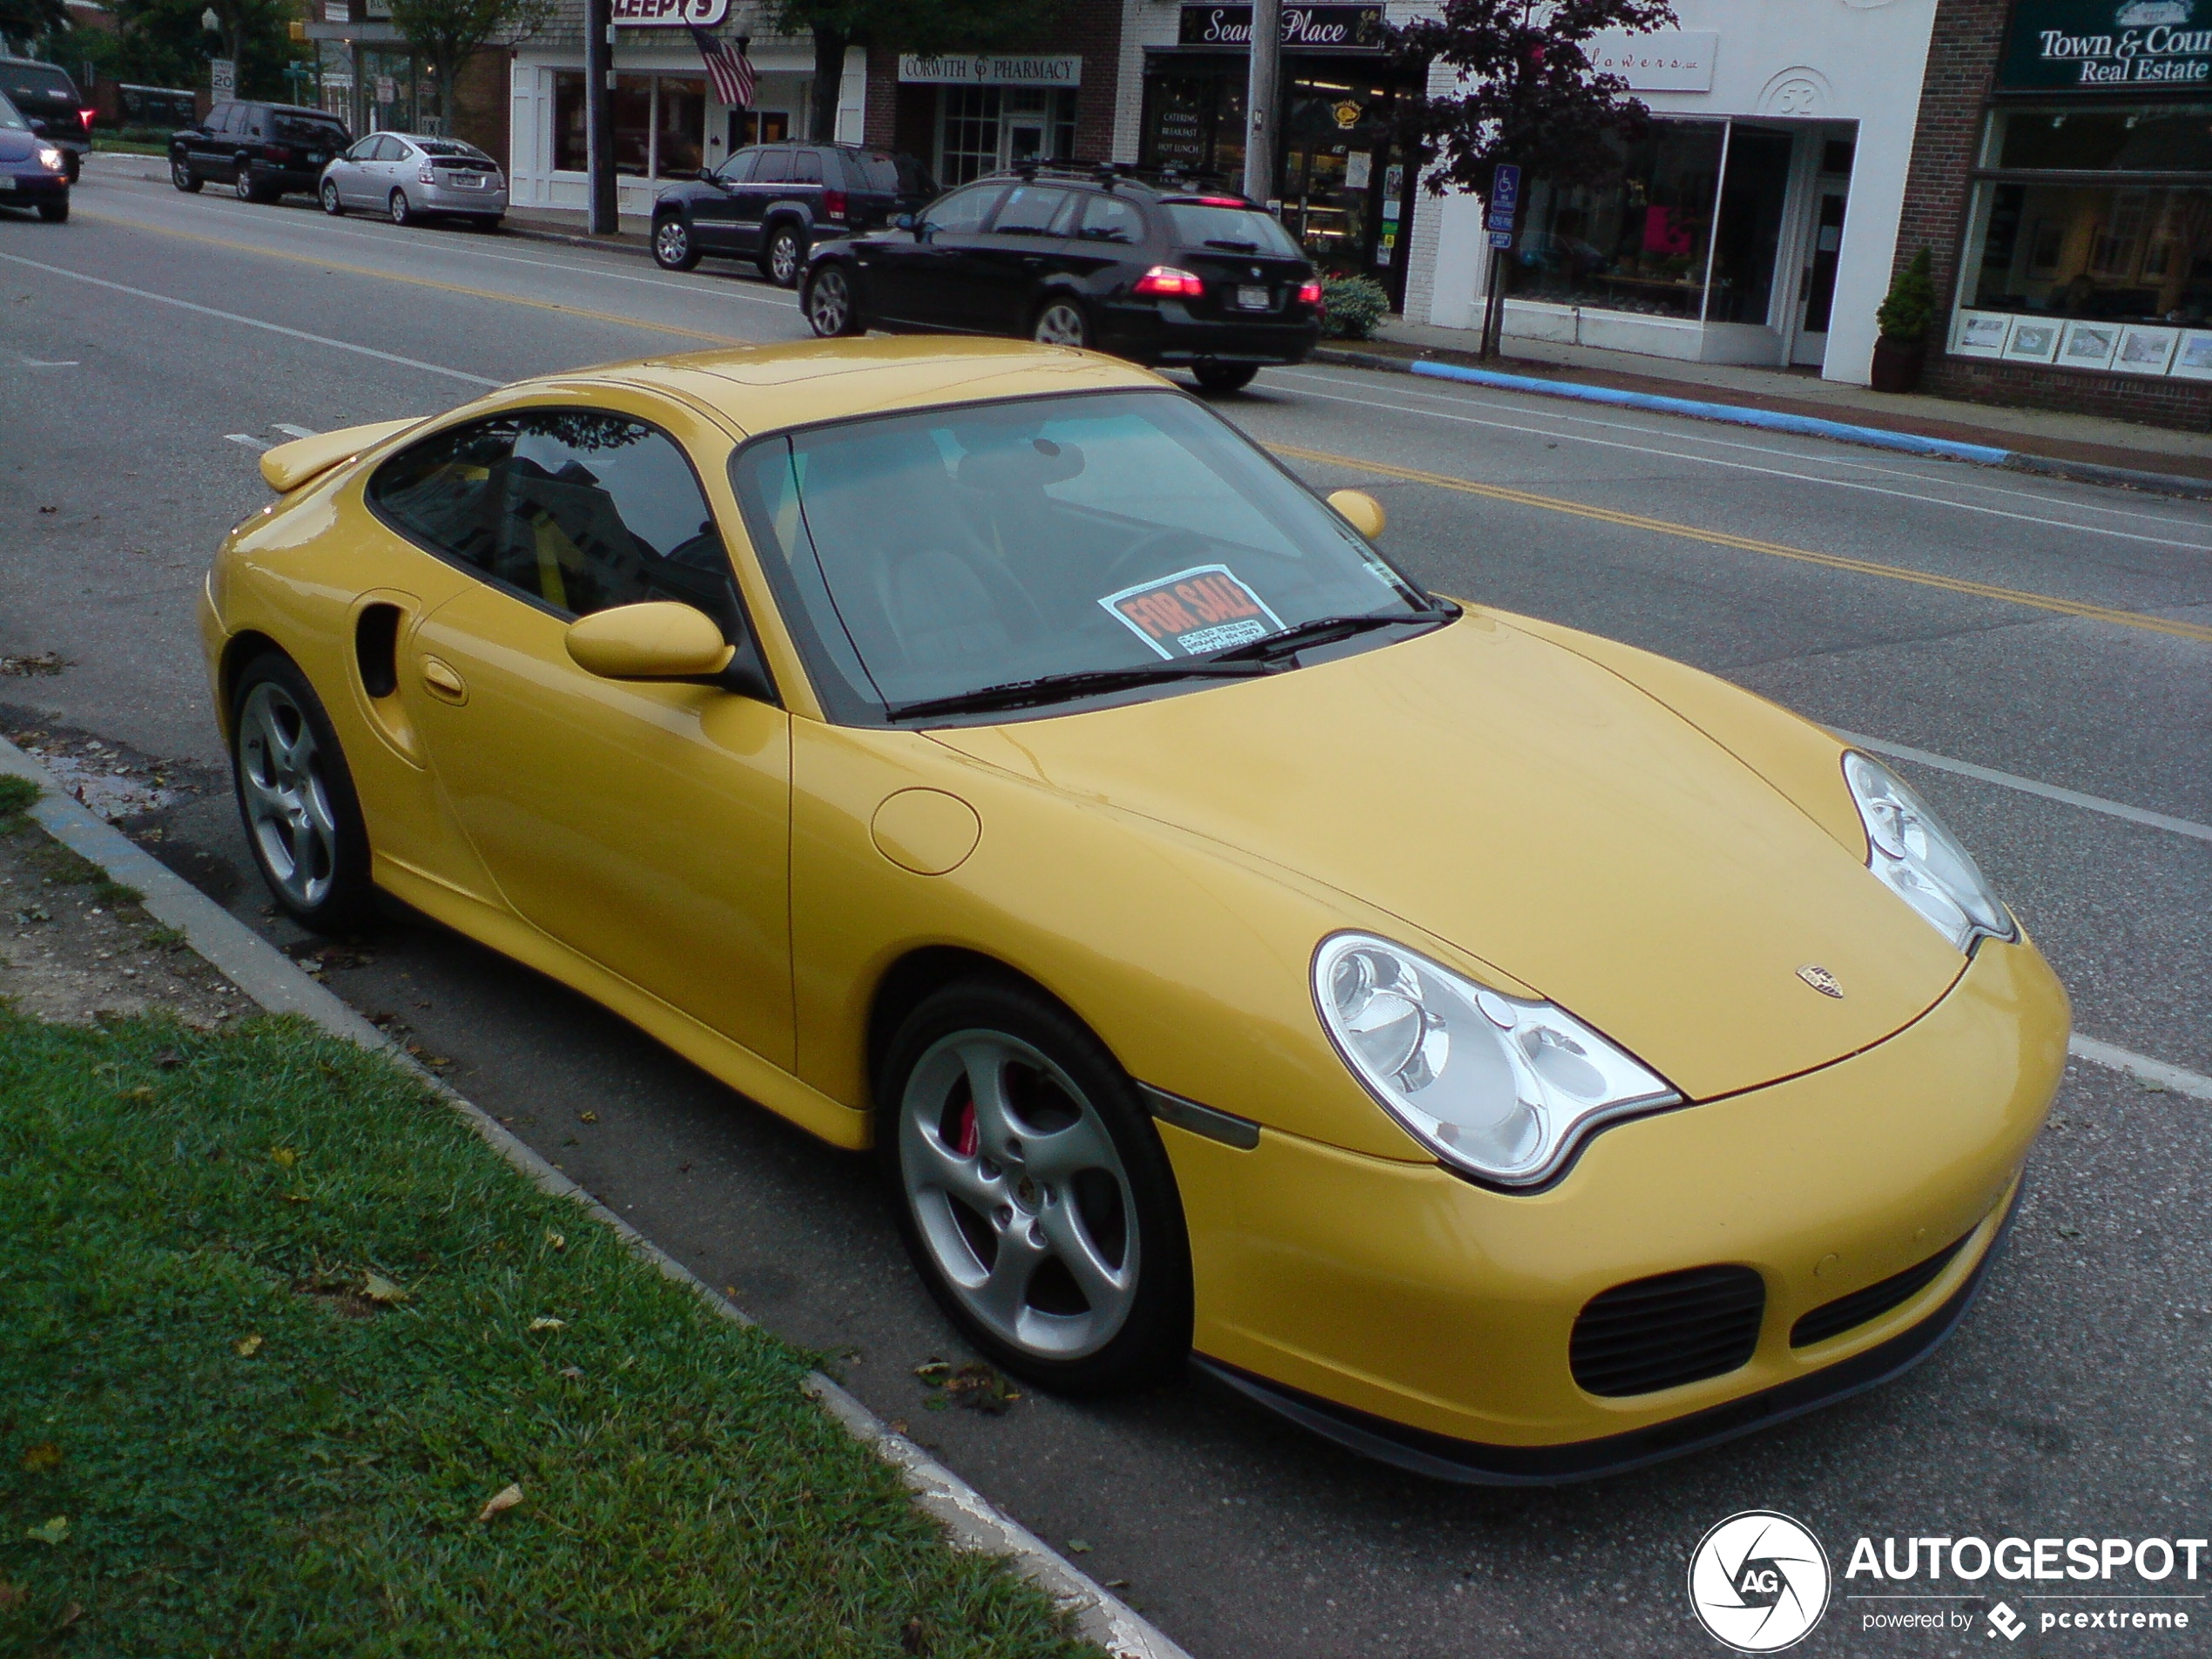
(1759, 1582)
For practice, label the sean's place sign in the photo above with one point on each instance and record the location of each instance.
(1337, 28)
(2068, 45)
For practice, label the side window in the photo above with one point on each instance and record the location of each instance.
(807, 167)
(964, 211)
(739, 168)
(251, 121)
(389, 149)
(218, 119)
(774, 167)
(440, 492)
(1111, 219)
(1028, 211)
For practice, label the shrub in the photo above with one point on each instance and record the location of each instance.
(1351, 306)
(1905, 316)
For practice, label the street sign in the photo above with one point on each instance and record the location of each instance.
(222, 79)
(387, 92)
(1505, 196)
(1501, 239)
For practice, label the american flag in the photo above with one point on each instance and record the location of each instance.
(727, 67)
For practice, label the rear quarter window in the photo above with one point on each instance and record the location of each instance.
(874, 172)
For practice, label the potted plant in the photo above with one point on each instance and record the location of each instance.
(1903, 319)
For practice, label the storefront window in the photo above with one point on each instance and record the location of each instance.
(984, 128)
(679, 126)
(2176, 140)
(659, 125)
(2087, 251)
(633, 120)
(1637, 243)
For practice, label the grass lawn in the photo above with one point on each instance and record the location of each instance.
(276, 1328)
(127, 147)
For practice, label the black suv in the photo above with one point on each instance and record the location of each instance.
(259, 150)
(771, 202)
(1148, 268)
(45, 95)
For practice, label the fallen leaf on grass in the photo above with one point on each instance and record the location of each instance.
(248, 1347)
(556, 1241)
(283, 1157)
(54, 1531)
(141, 1092)
(587, 1118)
(547, 1322)
(377, 1288)
(574, 1374)
(168, 1060)
(42, 1458)
(500, 1502)
(913, 1638)
(70, 1613)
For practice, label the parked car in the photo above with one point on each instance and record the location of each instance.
(412, 176)
(45, 96)
(1150, 270)
(771, 202)
(34, 172)
(261, 151)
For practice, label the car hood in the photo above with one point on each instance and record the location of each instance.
(19, 147)
(1543, 817)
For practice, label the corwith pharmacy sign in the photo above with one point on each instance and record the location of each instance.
(2108, 45)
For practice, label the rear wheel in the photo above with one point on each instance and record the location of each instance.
(54, 212)
(785, 253)
(1033, 1189)
(673, 247)
(829, 305)
(183, 177)
(242, 185)
(1061, 322)
(296, 797)
(1224, 377)
(331, 204)
(401, 210)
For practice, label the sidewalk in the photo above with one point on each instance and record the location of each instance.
(2090, 440)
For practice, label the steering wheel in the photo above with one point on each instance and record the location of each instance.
(1129, 562)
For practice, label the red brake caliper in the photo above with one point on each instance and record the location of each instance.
(965, 1139)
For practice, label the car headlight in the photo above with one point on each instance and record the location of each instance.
(1912, 855)
(49, 157)
(1503, 1088)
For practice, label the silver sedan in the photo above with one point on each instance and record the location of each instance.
(410, 176)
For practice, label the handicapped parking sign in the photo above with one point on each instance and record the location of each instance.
(1505, 196)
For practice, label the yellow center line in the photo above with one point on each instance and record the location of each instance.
(1751, 544)
(424, 282)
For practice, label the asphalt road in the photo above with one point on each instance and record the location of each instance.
(2057, 636)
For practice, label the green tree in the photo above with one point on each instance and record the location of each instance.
(22, 21)
(901, 25)
(448, 33)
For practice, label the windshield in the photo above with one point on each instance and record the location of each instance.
(448, 147)
(1242, 230)
(9, 119)
(929, 556)
(36, 83)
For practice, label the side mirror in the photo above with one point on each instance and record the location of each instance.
(902, 221)
(1360, 510)
(657, 640)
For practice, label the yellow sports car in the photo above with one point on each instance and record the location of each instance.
(1506, 1052)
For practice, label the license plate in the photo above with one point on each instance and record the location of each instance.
(7, 181)
(469, 181)
(1251, 297)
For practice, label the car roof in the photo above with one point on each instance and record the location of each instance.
(1149, 185)
(768, 389)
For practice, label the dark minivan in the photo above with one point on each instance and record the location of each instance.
(261, 151)
(770, 203)
(45, 96)
(1150, 269)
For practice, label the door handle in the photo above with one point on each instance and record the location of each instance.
(1033, 260)
(443, 682)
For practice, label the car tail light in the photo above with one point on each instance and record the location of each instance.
(1221, 201)
(86, 117)
(833, 203)
(1165, 281)
(1310, 295)
(275, 152)
(426, 176)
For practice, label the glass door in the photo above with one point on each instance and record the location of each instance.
(1816, 281)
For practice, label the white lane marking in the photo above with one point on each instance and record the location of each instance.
(290, 431)
(255, 322)
(2192, 1083)
(37, 362)
(1772, 472)
(2030, 786)
(1683, 429)
(248, 439)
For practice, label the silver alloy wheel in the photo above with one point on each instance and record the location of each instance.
(829, 303)
(1019, 1194)
(398, 207)
(243, 185)
(1061, 323)
(671, 241)
(287, 808)
(783, 257)
(331, 205)
(179, 174)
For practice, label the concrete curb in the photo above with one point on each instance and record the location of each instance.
(2087, 472)
(265, 974)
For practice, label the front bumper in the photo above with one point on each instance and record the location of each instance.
(32, 186)
(1392, 1304)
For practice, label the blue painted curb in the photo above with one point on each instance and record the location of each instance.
(1773, 420)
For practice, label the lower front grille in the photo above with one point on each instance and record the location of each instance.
(1661, 1333)
(1833, 1318)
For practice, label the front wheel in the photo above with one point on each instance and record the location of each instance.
(1061, 322)
(1033, 1190)
(829, 305)
(54, 212)
(673, 247)
(74, 164)
(183, 177)
(401, 210)
(296, 797)
(785, 254)
(331, 204)
(1224, 377)
(242, 185)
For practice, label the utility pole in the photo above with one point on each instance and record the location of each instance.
(599, 114)
(1262, 100)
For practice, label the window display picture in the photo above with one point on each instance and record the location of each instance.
(2088, 345)
(1981, 334)
(2034, 339)
(2193, 356)
(2146, 351)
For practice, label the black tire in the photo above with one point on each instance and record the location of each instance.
(674, 247)
(183, 178)
(1130, 1217)
(242, 185)
(319, 872)
(73, 164)
(784, 261)
(1224, 377)
(833, 310)
(1061, 321)
(331, 204)
(54, 212)
(401, 209)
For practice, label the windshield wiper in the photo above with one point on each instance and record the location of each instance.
(1322, 631)
(1059, 688)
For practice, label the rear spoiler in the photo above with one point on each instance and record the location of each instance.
(290, 465)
